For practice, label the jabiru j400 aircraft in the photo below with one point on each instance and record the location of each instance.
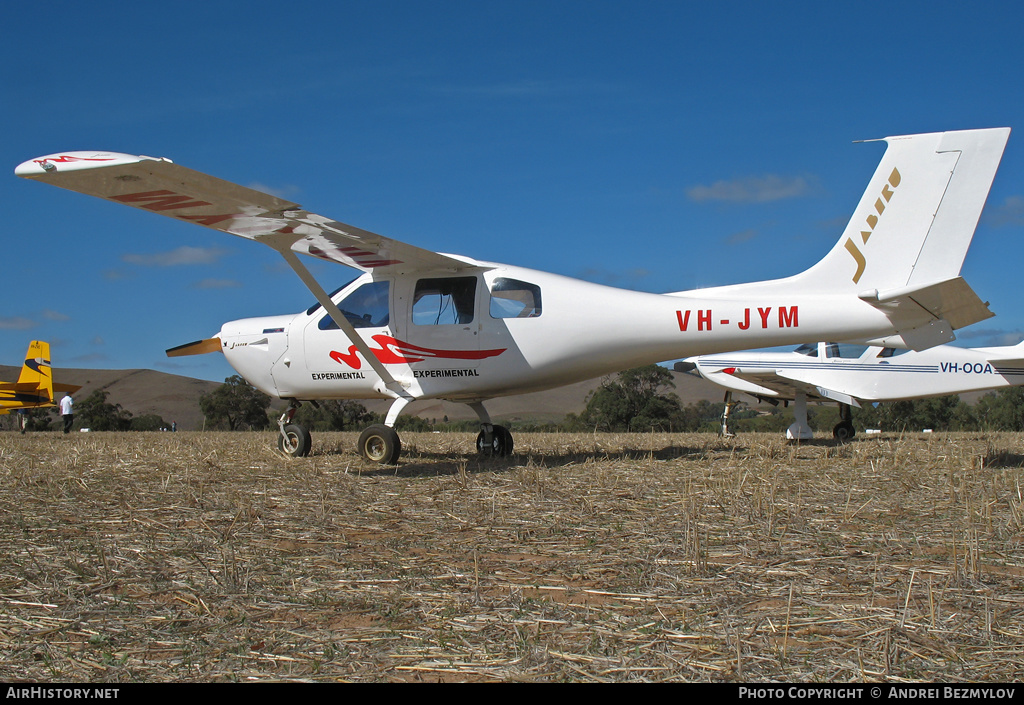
(419, 324)
(35, 386)
(853, 375)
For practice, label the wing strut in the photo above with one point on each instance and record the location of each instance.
(396, 387)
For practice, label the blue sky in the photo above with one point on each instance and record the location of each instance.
(651, 145)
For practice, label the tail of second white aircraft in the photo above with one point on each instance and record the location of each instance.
(906, 242)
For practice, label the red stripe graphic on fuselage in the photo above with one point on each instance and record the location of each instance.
(393, 351)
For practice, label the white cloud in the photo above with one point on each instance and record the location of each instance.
(55, 316)
(989, 337)
(90, 357)
(753, 189)
(283, 192)
(1010, 212)
(117, 274)
(16, 323)
(215, 284)
(183, 255)
(741, 237)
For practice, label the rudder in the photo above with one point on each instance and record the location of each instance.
(36, 369)
(916, 219)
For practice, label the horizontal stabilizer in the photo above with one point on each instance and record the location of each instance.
(952, 304)
(19, 387)
(952, 300)
(198, 347)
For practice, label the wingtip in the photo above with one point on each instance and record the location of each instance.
(72, 161)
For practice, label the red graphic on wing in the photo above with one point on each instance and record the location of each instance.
(361, 257)
(393, 351)
(67, 159)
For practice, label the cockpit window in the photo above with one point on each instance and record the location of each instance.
(808, 349)
(891, 352)
(366, 307)
(444, 301)
(846, 351)
(512, 298)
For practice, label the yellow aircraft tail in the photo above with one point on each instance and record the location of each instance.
(35, 386)
(36, 370)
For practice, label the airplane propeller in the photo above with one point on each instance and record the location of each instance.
(198, 347)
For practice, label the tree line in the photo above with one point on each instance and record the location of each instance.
(93, 412)
(638, 400)
(641, 400)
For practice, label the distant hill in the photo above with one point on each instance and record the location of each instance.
(176, 398)
(172, 397)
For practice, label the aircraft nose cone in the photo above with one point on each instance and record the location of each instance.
(252, 346)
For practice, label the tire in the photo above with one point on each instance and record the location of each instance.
(295, 442)
(501, 442)
(380, 444)
(844, 431)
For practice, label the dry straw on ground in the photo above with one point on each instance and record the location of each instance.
(196, 557)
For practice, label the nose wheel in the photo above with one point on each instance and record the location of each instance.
(294, 440)
(844, 430)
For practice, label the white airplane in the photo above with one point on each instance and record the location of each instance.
(853, 375)
(419, 324)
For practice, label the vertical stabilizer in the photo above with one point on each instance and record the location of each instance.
(916, 219)
(36, 369)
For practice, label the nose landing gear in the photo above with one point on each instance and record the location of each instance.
(844, 430)
(294, 439)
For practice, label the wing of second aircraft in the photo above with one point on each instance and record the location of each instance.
(774, 383)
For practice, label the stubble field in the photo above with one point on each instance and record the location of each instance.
(211, 557)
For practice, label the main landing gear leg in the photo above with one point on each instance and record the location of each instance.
(294, 439)
(729, 406)
(799, 431)
(844, 430)
(493, 440)
(380, 443)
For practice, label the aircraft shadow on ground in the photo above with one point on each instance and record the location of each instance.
(420, 464)
(1003, 459)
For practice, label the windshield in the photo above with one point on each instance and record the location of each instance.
(366, 307)
(312, 309)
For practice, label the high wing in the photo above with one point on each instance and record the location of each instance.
(160, 186)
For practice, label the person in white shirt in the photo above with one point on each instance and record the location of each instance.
(67, 411)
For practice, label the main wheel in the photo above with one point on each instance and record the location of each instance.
(501, 442)
(380, 444)
(295, 442)
(843, 431)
